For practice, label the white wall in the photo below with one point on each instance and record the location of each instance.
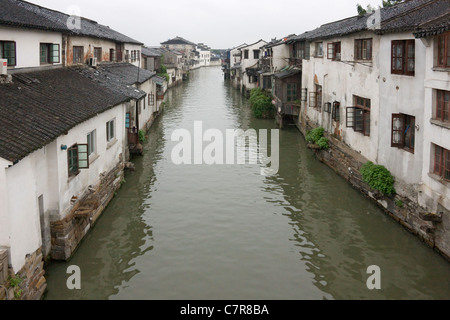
(4, 216)
(23, 211)
(434, 192)
(250, 62)
(340, 81)
(106, 158)
(280, 58)
(28, 44)
(401, 94)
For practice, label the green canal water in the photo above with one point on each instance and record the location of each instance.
(225, 232)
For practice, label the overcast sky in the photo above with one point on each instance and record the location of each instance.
(219, 24)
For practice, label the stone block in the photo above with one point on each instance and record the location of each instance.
(3, 266)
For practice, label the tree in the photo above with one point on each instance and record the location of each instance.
(386, 4)
(362, 11)
(390, 3)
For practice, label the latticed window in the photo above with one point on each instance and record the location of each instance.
(358, 117)
(403, 132)
(403, 57)
(334, 51)
(78, 54)
(291, 92)
(49, 53)
(363, 49)
(8, 52)
(336, 113)
(151, 99)
(442, 162)
(77, 158)
(442, 109)
(443, 48)
(98, 53)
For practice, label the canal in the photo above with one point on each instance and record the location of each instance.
(225, 232)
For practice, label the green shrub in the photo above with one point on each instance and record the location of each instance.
(261, 103)
(315, 135)
(378, 177)
(323, 143)
(142, 137)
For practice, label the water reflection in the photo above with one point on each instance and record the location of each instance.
(228, 233)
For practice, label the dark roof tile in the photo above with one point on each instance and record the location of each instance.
(17, 13)
(40, 106)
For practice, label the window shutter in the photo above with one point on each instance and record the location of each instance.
(398, 125)
(54, 53)
(350, 117)
(312, 99)
(359, 120)
(72, 160)
(366, 119)
(330, 51)
(307, 51)
(336, 111)
(83, 156)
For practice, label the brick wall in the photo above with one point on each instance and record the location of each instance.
(67, 233)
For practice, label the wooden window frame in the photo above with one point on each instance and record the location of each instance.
(92, 142)
(442, 111)
(358, 116)
(404, 58)
(110, 137)
(6, 54)
(82, 54)
(316, 53)
(97, 51)
(441, 166)
(78, 153)
(112, 55)
(363, 46)
(403, 132)
(336, 112)
(334, 51)
(443, 50)
(291, 92)
(151, 99)
(256, 54)
(52, 54)
(246, 54)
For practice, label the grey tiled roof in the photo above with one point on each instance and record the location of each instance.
(17, 13)
(126, 73)
(406, 16)
(178, 40)
(434, 27)
(150, 52)
(40, 106)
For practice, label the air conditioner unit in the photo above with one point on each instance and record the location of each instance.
(3, 66)
(93, 62)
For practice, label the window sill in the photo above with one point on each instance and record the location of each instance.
(439, 179)
(111, 144)
(73, 176)
(440, 69)
(439, 123)
(93, 158)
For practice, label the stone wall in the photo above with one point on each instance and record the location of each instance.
(67, 233)
(27, 284)
(430, 227)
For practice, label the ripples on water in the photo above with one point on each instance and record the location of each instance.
(226, 232)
